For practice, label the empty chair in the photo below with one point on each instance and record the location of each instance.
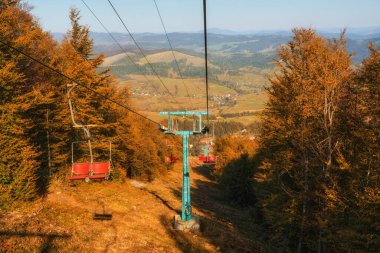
(100, 170)
(80, 171)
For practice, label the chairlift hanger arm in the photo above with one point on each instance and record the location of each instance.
(70, 88)
(170, 130)
(183, 113)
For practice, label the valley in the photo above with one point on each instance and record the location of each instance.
(239, 68)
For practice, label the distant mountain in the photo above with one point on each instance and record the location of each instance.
(351, 32)
(221, 31)
(226, 43)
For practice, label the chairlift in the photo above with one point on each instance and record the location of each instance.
(90, 169)
(209, 159)
(170, 159)
(206, 158)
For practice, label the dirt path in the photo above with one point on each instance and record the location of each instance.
(140, 218)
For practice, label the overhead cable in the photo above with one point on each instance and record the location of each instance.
(171, 47)
(205, 40)
(139, 48)
(122, 49)
(77, 82)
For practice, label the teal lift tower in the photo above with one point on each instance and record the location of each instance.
(186, 221)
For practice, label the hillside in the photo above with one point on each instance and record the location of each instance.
(239, 65)
(115, 59)
(234, 87)
(232, 42)
(167, 57)
(155, 57)
(141, 219)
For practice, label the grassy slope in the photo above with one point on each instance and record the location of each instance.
(141, 219)
(161, 57)
(115, 59)
(248, 102)
(167, 57)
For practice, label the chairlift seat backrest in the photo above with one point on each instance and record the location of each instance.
(81, 168)
(100, 167)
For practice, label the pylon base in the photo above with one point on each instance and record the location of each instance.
(190, 225)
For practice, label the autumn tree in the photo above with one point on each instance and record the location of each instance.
(25, 96)
(34, 106)
(359, 124)
(137, 150)
(301, 141)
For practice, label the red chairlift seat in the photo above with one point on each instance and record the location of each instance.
(204, 140)
(80, 171)
(210, 159)
(171, 159)
(90, 170)
(207, 159)
(202, 158)
(100, 170)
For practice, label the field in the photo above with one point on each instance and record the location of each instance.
(233, 94)
(140, 215)
(150, 103)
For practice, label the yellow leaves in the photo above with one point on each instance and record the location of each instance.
(10, 79)
(264, 172)
(370, 196)
(342, 162)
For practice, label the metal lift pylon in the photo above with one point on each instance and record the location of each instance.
(185, 221)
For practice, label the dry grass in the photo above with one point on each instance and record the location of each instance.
(141, 219)
(115, 59)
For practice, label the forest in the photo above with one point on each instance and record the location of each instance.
(312, 178)
(309, 179)
(34, 107)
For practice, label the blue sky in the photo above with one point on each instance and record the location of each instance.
(237, 15)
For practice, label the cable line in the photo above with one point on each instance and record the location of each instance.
(171, 48)
(77, 82)
(137, 45)
(122, 49)
(205, 39)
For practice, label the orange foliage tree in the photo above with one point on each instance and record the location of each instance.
(307, 183)
(36, 127)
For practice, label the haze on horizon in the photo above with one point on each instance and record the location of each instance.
(187, 16)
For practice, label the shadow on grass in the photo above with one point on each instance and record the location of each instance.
(228, 228)
(184, 241)
(205, 171)
(114, 238)
(161, 199)
(102, 215)
(47, 245)
(105, 217)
